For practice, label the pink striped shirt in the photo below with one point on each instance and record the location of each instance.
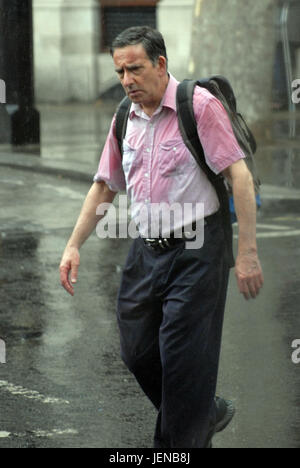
(157, 168)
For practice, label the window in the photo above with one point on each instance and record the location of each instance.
(117, 15)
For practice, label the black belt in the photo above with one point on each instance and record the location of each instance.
(165, 243)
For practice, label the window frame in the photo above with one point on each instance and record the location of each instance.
(119, 4)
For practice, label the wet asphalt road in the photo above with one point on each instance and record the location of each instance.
(64, 384)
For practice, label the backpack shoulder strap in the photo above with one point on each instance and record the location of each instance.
(188, 128)
(122, 115)
(188, 125)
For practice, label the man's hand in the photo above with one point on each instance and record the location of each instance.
(99, 193)
(69, 269)
(249, 274)
(248, 271)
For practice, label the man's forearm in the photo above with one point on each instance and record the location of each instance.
(88, 219)
(245, 206)
(248, 270)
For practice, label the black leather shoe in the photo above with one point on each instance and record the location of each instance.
(225, 411)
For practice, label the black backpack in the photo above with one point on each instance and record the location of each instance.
(222, 90)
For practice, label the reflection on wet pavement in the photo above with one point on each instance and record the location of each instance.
(59, 346)
(78, 132)
(75, 132)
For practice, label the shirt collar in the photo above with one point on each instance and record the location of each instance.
(168, 100)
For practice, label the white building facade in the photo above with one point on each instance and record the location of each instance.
(70, 63)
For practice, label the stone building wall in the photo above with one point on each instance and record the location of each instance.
(237, 39)
(66, 35)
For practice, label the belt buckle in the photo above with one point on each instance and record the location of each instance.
(160, 243)
(164, 243)
(152, 243)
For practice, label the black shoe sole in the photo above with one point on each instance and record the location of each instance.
(221, 425)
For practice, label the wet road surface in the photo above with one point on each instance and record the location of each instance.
(64, 385)
(63, 348)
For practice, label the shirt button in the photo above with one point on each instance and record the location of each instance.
(146, 174)
(148, 150)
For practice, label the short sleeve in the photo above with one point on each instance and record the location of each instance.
(219, 143)
(110, 168)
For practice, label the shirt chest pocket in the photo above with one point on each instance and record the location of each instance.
(174, 158)
(131, 157)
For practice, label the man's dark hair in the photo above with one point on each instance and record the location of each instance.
(151, 39)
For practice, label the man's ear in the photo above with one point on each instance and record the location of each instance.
(162, 64)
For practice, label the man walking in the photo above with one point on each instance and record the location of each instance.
(171, 300)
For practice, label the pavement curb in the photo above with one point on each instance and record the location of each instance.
(34, 163)
(279, 200)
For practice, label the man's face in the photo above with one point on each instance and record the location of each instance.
(142, 81)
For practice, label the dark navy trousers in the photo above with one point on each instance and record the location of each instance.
(170, 313)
